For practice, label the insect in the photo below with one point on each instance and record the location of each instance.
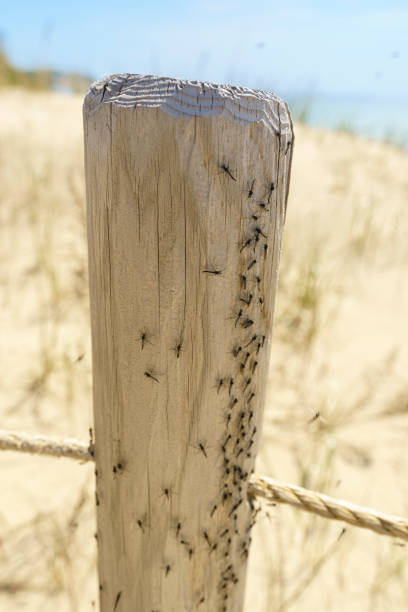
(207, 539)
(247, 300)
(167, 569)
(227, 570)
(243, 280)
(248, 382)
(91, 447)
(254, 217)
(265, 249)
(251, 190)
(246, 358)
(118, 596)
(271, 189)
(178, 529)
(259, 232)
(220, 382)
(231, 382)
(166, 493)
(254, 366)
(233, 403)
(245, 245)
(247, 323)
(239, 315)
(215, 272)
(103, 91)
(314, 418)
(202, 449)
(214, 508)
(177, 349)
(253, 262)
(236, 350)
(263, 206)
(225, 168)
(149, 375)
(224, 533)
(143, 339)
(251, 341)
(228, 438)
(251, 397)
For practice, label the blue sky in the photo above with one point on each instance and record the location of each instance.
(347, 47)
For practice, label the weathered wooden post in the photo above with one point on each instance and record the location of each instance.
(187, 185)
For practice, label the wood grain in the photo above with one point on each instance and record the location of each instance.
(187, 185)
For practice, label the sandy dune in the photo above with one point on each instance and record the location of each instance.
(340, 349)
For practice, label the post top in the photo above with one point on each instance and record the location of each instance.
(185, 98)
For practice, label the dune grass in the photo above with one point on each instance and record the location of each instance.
(337, 401)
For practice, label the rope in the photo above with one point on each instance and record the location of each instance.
(43, 445)
(318, 503)
(269, 489)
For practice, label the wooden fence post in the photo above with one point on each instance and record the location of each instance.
(187, 185)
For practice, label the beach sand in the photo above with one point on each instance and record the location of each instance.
(340, 349)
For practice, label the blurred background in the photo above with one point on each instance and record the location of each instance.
(340, 64)
(336, 417)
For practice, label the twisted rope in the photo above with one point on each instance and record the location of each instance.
(43, 445)
(318, 503)
(273, 491)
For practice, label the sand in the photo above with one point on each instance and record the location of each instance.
(339, 349)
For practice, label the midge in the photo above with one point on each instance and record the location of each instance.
(118, 596)
(225, 168)
(150, 375)
(167, 569)
(220, 382)
(177, 348)
(246, 244)
(251, 190)
(166, 492)
(271, 190)
(215, 272)
(201, 449)
(144, 338)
